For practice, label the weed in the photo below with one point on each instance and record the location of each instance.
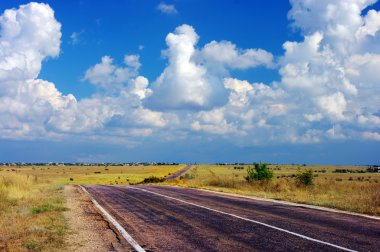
(48, 207)
(32, 245)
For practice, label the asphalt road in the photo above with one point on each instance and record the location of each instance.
(178, 219)
(179, 173)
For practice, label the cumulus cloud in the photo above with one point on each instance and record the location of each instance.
(226, 53)
(27, 101)
(167, 8)
(22, 49)
(107, 75)
(183, 84)
(328, 86)
(194, 77)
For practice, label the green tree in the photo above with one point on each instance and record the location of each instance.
(260, 172)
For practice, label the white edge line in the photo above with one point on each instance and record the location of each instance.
(281, 202)
(123, 232)
(246, 219)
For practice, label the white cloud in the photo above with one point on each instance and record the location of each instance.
(107, 75)
(21, 48)
(194, 77)
(228, 54)
(334, 105)
(133, 61)
(371, 135)
(139, 87)
(183, 84)
(75, 37)
(313, 117)
(371, 25)
(167, 8)
(26, 102)
(328, 87)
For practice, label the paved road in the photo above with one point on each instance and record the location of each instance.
(179, 173)
(178, 219)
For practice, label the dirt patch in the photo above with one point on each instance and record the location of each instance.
(88, 230)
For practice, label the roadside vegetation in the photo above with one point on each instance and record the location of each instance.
(31, 214)
(355, 189)
(32, 204)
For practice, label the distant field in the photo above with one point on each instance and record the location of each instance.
(102, 175)
(354, 190)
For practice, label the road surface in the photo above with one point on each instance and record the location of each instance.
(179, 173)
(162, 218)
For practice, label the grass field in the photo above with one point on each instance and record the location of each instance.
(32, 203)
(351, 191)
(102, 174)
(31, 214)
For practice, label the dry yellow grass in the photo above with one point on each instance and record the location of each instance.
(355, 192)
(31, 216)
(32, 202)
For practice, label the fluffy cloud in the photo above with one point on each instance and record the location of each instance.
(109, 76)
(184, 83)
(28, 35)
(227, 54)
(194, 77)
(328, 86)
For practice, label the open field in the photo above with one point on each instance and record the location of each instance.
(351, 191)
(89, 175)
(32, 204)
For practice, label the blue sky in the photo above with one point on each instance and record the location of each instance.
(190, 81)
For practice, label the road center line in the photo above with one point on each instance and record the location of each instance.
(246, 219)
(123, 232)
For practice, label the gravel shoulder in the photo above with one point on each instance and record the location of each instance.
(88, 230)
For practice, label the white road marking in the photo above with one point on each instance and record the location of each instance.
(283, 202)
(246, 219)
(123, 232)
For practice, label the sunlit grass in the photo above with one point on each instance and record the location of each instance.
(356, 192)
(31, 217)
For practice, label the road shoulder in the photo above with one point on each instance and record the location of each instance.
(88, 230)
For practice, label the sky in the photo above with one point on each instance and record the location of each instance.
(190, 81)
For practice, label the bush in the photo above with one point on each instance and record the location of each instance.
(305, 178)
(153, 179)
(260, 172)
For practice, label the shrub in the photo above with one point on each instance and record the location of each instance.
(305, 178)
(260, 172)
(153, 179)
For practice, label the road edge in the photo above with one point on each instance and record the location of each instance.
(118, 227)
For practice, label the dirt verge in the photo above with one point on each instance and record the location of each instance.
(88, 230)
